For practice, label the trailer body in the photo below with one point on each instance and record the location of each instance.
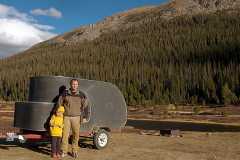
(107, 109)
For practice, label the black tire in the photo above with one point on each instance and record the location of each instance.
(101, 139)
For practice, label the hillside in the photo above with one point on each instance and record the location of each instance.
(135, 16)
(185, 51)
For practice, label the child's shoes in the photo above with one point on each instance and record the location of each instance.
(54, 156)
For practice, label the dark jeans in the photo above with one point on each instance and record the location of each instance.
(56, 145)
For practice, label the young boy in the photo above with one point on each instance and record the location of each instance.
(56, 127)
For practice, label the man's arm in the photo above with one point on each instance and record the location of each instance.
(84, 109)
(84, 102)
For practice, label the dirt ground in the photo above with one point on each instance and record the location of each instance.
(133, 146)
(199, 140)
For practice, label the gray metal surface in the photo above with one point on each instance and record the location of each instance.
(32, 115)
(106, 103)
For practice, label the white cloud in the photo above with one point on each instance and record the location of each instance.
(19, 31)
(52, 12)
(44, 27)
(11, 12)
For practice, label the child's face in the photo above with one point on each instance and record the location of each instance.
(59, 113)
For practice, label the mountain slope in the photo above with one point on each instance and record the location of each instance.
(136, 16)
(189, 58)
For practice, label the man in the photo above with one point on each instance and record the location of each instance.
(74, 104)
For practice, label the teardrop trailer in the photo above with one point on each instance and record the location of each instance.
(106, 111)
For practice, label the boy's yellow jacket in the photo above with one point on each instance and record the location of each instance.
(56, 125)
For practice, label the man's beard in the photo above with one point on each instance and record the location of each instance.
(73, 91)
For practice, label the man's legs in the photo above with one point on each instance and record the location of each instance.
(66, 130)
(75, 122)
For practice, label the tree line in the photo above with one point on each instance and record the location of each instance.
(185, 60)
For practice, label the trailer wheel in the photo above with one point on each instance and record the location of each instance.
(100, 139)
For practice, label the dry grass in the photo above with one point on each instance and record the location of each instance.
(201, 140)
(132, 146)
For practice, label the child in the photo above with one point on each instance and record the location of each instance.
(56, 127)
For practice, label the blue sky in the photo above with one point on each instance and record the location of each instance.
(27, 22)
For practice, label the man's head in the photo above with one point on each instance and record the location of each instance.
(74, 85)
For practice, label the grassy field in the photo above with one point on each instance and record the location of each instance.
(133, 146)
(202, 138)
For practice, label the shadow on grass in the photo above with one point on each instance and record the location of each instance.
(183, 126)
(43, 148)
(40, 147)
